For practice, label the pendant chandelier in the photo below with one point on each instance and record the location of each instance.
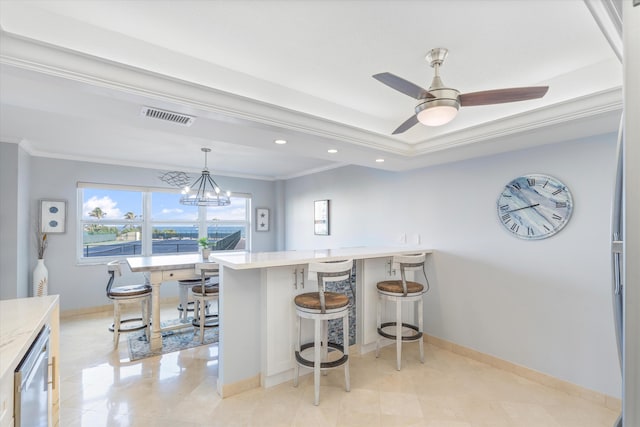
(204, 191)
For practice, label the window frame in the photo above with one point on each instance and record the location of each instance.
(147, 223)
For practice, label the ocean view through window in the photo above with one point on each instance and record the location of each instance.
(117, 221)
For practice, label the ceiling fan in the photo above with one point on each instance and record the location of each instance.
(439, 104)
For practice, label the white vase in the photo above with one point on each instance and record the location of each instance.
(40, 279)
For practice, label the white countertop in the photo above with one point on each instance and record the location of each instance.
(241, 260)
(248, 260)
(163, 262)
(20, 322)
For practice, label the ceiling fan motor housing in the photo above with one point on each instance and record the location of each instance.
(439, 94)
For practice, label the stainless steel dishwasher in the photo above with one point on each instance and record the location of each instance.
(31, 398)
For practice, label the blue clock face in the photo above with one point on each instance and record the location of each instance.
(534, 206)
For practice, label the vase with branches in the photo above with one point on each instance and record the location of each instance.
(41, 273)
(42, 244)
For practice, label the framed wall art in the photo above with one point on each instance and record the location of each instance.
(321, 217)
(53, 216)
(262, 219)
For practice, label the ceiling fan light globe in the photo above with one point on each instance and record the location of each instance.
(437, 112)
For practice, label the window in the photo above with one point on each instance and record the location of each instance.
(120, 221)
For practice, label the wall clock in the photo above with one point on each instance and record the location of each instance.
(534, 206)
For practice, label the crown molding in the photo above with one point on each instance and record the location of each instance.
(61, 62)
(563, 112)
(52, 60)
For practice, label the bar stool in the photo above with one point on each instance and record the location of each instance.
(203, 295)
(320, 307)
(400, 291)
(128, 294)
(185, 306)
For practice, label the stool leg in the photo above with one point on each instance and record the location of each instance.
(398, 332)
(203, 319)
(325, 344)
(148, 319)
(116, 324)
(317, 360)
(196, 310)
(420, 328)
(379, 323)
(296, 368)
(345, 339)
(184, 302)
(145, 322)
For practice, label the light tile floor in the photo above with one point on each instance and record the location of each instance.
(100, 387)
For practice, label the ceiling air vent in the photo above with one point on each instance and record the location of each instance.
(169, 116)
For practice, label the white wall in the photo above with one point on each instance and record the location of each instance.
(15, 221)
(542, 304)
(83, 286)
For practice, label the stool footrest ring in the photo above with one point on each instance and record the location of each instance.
(189, 306)
(211, 321)
(324, 365)
(131, 328)
(413, 337)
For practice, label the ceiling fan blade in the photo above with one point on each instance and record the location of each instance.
(408, 124)
(500, 96)
(402, 85)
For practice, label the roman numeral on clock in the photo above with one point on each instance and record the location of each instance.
(558, 191)
(531, 182)
(556, 216)
(515, 227)
(506, 218)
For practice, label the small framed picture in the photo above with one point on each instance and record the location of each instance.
(262, 219)
(321, 217)
(53, 216)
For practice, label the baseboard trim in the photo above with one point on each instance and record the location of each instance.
(228, 390)
(105, 308)
(530, 374)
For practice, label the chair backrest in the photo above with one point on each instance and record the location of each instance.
(325, 272)
(113, 268)
(410, 262)
(206, 270)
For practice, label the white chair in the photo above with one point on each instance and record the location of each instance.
(203, 294)
(128, 294)
(400, 291)
(320, 307)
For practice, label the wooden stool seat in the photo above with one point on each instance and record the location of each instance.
(129, 291)
(208, 289)
(395, 287)
(312, 301)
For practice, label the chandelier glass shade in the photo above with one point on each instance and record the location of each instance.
(205, 191)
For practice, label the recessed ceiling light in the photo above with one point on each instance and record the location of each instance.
(280, 141)
(332, 151)
(379, 160)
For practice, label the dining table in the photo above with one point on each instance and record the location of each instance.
(161, 269)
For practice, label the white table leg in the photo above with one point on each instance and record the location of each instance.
(156, 335)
